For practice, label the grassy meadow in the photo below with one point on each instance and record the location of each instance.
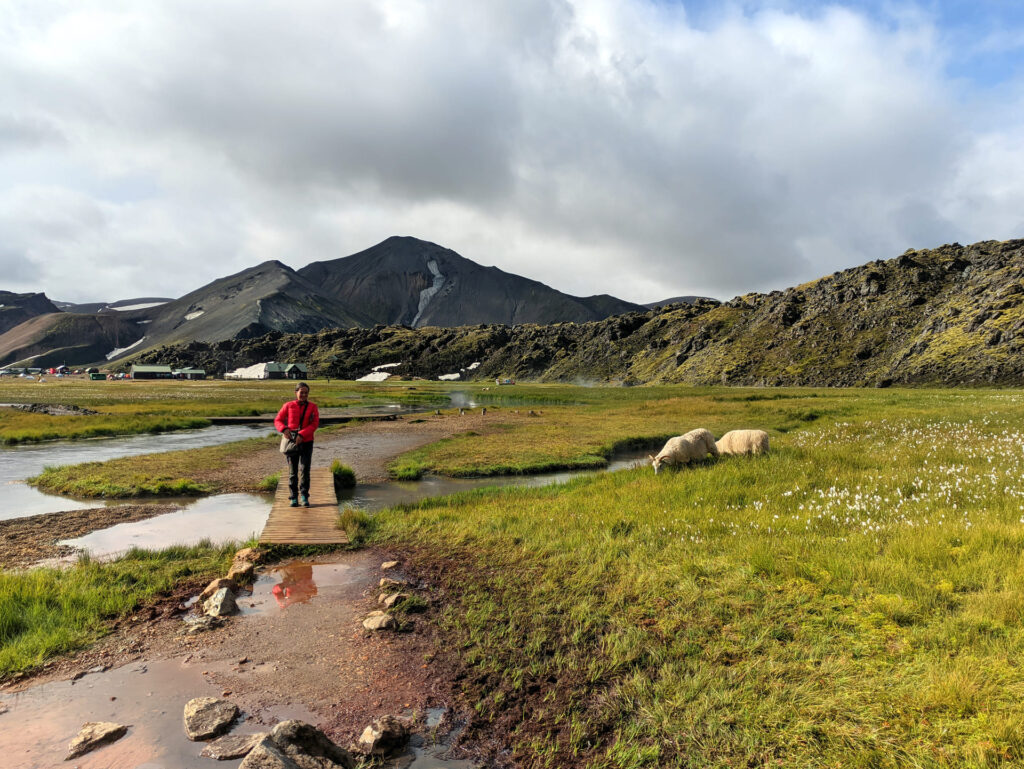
(47, 612)
(154, 406)
(855, 599)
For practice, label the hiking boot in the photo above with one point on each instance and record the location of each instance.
(305, 501)
(293, 502)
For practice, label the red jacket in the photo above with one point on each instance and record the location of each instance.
(288, 417)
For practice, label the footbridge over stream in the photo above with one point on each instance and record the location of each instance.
(313, 525)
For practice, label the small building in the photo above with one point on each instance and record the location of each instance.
(270, 370)
(151, 372)
(190, 373)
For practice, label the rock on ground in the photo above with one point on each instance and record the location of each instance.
(390, 599)
(266, 755)
(378, 620)
(383, 736)
(388, 565)
(309, 747)
(206, 717)
(221, 604)
(232, 746)
(215, 585)
(94, 734)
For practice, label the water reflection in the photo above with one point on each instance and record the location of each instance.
(222, 518)
(18, 500)
(296, 583)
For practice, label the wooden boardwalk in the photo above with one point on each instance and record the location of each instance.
(313, 525)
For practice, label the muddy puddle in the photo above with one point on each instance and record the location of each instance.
(221, 518)
(150, 696)
(298, 582)
(17, 499)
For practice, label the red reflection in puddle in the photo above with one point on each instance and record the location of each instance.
(296, 585)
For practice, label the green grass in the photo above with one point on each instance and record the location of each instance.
(48, 612)
(271, 482)
(170, 473)
(344, 476)
(356, 524)
(856, 598)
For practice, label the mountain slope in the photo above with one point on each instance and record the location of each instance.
(17, 308)
(406, 281)
(61, 337)
(952, 315)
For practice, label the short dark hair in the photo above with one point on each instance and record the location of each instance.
(300, 385)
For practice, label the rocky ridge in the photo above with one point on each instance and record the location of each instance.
(953, 315)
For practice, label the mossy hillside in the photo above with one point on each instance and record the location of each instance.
(851, 599)
(871, 325)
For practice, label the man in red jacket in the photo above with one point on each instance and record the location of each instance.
(299, 419)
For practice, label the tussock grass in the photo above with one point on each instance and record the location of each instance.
(47, 612)
(170, 473)
(856, 598)
(270, 483)
(356, 524)
(344, 476)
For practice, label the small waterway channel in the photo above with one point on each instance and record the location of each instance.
(18, 499)
(235, 517)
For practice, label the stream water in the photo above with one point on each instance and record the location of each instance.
(18, 499)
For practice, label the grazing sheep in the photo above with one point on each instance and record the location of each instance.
(683, 449)
(743, 442)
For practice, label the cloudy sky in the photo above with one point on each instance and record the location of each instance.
(643, 148)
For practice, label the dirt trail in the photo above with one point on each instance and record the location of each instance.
(307, 658)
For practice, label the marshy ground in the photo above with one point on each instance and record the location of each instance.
(852, 599)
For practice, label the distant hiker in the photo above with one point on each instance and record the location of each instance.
(299, 419)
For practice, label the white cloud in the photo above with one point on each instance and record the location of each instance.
(602, 146)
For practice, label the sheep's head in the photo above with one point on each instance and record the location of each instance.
(655, 462)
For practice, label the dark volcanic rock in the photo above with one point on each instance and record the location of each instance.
(952, 315)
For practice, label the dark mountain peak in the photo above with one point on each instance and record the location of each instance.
(17, 308)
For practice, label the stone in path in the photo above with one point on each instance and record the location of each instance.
(379, 620)
(297, 745)
(383, 736)
(232, 746)
(215, 585)
(389, 600)
(221, 604)
(94, 734)
(206, 717)
(387, 565)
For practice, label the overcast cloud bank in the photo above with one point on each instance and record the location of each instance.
(601, 147)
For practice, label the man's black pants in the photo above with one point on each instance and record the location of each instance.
(303, 456)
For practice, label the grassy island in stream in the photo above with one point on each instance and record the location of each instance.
(854, 599)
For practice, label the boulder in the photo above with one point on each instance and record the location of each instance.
(94, 734)
(379, 620)
(215, 585)
(390, 599)
(250, 554)
(266, 755)
(207, 717)
(385, 735)
(309, 747)
(242, 572)
(232, 746)
(221, 604)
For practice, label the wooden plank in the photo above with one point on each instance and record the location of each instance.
(313, 525)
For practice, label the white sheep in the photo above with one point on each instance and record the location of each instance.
(743, 442)
(683, 449)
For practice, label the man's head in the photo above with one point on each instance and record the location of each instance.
(302, 392)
